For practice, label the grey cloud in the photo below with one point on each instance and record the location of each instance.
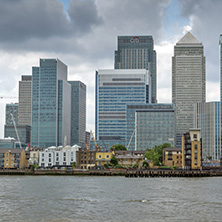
(24, 19)
(206, 26)
(83, 15)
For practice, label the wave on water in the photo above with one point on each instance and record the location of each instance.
(79, 200)
(138, 201)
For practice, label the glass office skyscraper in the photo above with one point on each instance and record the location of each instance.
(220, 44)
(78, 113)
(188, 82)
(154, 126)
(137, 52)
(11, 109)
(207, 117)
(51, 104)
(114, 90)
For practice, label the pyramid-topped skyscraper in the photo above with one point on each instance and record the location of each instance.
(188, 82)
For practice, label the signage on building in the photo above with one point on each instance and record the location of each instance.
(135, 40)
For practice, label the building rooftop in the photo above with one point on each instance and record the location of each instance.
(13, 150)
(172, 149)
(189, 39)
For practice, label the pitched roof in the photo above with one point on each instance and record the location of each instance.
(189, 39)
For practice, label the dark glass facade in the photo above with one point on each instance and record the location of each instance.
(78, 113)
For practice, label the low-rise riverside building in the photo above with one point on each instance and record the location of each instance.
(192, 149)
(103, 157)
(58, 156)
(135, 152)
(172, 157)
(34, 157)
(12, 158)
(128, 159)
(85, 159)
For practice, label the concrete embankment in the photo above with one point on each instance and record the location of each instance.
(115, 172)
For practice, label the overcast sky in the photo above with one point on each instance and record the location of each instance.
(83, 34)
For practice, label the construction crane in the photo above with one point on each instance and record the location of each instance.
(86, 145)
(16, 131)
(97, 147)
(131, 138)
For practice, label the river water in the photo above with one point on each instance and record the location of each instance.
(84, 198)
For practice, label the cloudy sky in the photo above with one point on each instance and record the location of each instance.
(83, 34)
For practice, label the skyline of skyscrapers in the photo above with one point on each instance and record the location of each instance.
(188, 82)
(137, 52)
(122, 102)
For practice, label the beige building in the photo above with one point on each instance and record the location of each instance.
(192, 149)
(12, 158)
(172, 157)
(129, 158)
(34, 157)
(25, 101)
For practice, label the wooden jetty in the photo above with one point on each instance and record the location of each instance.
(168, 173)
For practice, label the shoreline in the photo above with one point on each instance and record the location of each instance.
(115, 172)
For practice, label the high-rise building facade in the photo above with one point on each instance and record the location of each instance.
(137, 52)
(154, 126)
(24, 133)
(78, 113)
(156, 117)
(51, 104)
(11, 110)
(25, 101)
(220, 44)
(188, 82)
(207, 117)
(114, 90)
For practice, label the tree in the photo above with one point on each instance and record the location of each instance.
(74, 164)
(117, 147)
(145, 164)
(156, 154)
(114, 161)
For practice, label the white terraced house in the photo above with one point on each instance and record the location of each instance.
(58, 156)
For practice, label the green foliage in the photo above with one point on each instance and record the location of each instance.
(117, 147)
(114, 161)
(135, 166)
(156, 154)
(107, 165)
(74, 164)
(118, 166)
(145, 164)
(209, 157)
(33, 167)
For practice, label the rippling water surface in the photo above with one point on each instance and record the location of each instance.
(72, 198)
